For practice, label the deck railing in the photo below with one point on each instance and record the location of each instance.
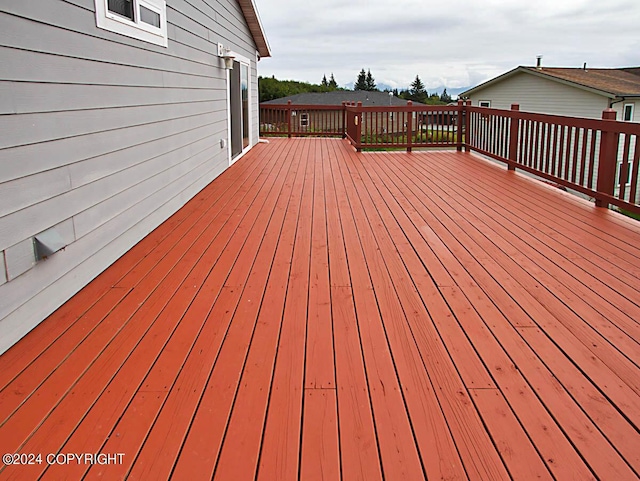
(597, 157)
(302, 120)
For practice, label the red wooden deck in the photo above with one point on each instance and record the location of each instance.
(315, 313)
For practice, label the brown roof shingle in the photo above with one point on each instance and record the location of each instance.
(617, 81)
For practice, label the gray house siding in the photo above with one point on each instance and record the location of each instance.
(539, 95)
(103, 138)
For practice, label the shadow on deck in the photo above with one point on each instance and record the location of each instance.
(317, 313)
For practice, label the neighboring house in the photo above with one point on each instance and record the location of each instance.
(309, 120)
(114, 114)
(576, 92)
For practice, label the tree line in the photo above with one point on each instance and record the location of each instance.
(271, 88)
(416, 92)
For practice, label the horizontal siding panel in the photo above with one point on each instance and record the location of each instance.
(27, 222)
(26, 129)
(28, 66)
(30, 159)
(27, 191)
(33, 97)
(58, 279)
(539, 95)
(93, 169)
(19, 258)
(67, 37)
(92, 218)
(196, 30)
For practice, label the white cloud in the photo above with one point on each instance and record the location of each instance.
(459, 43)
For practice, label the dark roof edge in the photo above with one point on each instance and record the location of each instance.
(541, 74)
(254, 23)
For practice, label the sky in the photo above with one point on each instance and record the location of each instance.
(449, 43)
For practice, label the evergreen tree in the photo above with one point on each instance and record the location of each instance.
(370, 81)
(332, 82)
(418, 92)
(324, 82)
(445, 97)
(361, 82)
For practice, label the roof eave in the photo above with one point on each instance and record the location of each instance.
(540, 74)
(250, 12)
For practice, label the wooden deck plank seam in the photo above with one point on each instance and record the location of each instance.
(366, 191)
(341, 185)
(522, 213)
(545, 284)
(547, 195)
(356, 200)
(278, 165)
(301, 172)
(259, 309)
(335, 153)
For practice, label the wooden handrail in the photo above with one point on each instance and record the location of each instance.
(578, 153)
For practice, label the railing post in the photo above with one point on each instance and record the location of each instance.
(459, 124)
(344, 119)
(358, 121)
(513, 138)
(467, 123)
(607, 158)
(409, 126)
(289, 118)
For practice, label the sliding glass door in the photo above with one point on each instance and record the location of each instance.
(239, 108)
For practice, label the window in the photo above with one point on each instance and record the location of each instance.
(627, 113)
(142, 19)
(304, 120)
(484, 103)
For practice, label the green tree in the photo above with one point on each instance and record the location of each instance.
(361, 82)
(333, 85)
(324, 82)
(370, 82)
(270, 88)
(445, 97)
(418, 92)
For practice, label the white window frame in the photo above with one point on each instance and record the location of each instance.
(624, 109)
(486, 102)
(304, 119)
(113, 22)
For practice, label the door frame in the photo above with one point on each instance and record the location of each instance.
(242, 60)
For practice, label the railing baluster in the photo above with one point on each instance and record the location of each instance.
(624, 168)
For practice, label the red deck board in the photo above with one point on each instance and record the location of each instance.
(280, 450)
(413, 335)
(532, 415)
(562, 311)
(318, 313)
